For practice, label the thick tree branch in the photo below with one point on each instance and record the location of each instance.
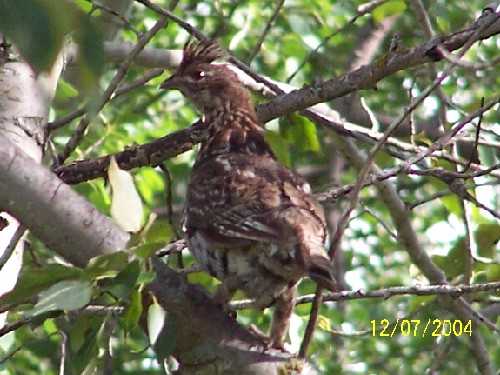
(147, 58)
(207, 339)
(365, 77)
(24, 101)
(57, 215)
(77, 231)
(219, 347)
(153, 154)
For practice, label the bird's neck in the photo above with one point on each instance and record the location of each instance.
(220, 112)
(233, 130)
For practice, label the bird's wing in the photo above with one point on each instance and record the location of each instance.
(234, 199)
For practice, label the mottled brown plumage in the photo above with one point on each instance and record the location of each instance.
(250, 222)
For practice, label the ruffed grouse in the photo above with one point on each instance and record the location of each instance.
(250, 222)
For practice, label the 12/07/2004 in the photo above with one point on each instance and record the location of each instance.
(417, 327)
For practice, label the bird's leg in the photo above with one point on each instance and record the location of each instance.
(283, 309)
(259, 334)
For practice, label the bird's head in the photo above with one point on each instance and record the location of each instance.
(210, 87)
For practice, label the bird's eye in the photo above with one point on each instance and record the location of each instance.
(198, 74)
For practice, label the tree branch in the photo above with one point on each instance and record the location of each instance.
(57, 215)
(76, 230)
(386, 293)
(77, 136)
(407, 237)
(365, 77)
(222, 346)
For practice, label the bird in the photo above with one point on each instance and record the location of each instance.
(250, 221)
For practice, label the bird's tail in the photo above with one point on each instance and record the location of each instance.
(321, 271)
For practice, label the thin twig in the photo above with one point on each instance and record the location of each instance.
(124, 21)
(386, 293)
(361, 10)
(77, 136)
(10, 355)
(441, 194)
(28, 320)
(354, 196)
(457, 186)
(170, 211)
(12, 245)
(262, 37)
(468, 241)
(381, 221)
(437, 145)
(311, 324)
(466, 64)
(474, 154)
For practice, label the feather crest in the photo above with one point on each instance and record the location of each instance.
(203, 52)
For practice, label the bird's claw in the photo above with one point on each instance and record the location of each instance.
(269, 343)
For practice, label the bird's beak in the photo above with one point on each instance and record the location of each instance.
(170, 83)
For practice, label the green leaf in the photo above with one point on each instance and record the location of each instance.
(159, 231)
(84, 5)
(125, 281)
(493, 273)
(78, 331)
(383, 159)
(50, 327)
(90, 60)
(32, 281)
(452, 204)
(65, 90)
(416, 302)
(454, 263)
(96, 193)
(133, 311)
(146, 277)
(390, 8)
(300, 132)
(149, 182)
(38, 29)
(148, 249)
(487, 236)
(279, 146)
(85, 357)
(421, 138)
(324, 323)
(107, 265)
(65, 295)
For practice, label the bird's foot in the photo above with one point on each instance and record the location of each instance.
(269, 342)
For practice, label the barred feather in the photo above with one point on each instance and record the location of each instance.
(250, 222)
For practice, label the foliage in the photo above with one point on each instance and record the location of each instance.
(309, 41)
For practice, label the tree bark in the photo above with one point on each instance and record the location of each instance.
(24, 105)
